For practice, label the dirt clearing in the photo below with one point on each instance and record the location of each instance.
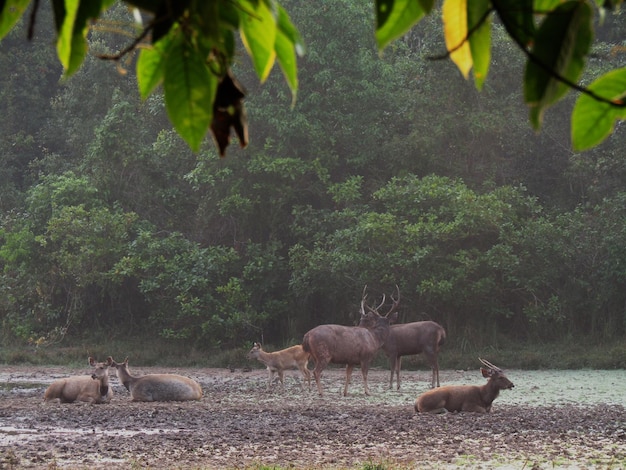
(562, 419)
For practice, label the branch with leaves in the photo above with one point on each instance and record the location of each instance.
(188, 47)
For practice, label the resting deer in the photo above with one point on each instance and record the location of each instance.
(465, 397)
(350, 345)
(92, 388)
(157, 387)
(414, 338)
(279, 361)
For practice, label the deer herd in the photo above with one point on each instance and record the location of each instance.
(324, 344)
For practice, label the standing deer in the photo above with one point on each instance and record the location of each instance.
(92, 388)
(350, 345)
(157, 387)
(279, 361)
(466, 397)
(414, 338)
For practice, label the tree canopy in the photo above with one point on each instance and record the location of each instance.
(189, 47)
(387, 170)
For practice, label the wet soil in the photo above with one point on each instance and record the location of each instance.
(239, 424)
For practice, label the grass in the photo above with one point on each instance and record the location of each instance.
(566, 354)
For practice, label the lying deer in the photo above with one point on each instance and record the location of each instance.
(350, 345)
(92, 388)
(157, 387)
(465, 397)
(279, 361)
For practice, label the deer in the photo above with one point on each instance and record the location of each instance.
(93, 389)
(472, 398)
(350, 345)
(157, 387)
(414, 338)
(279, 361)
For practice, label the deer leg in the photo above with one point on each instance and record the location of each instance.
(317, 373)
(434, 365)
(349, 368)
(281, 376)
(306, 375)
(364, 370)
(398, 367)
(392, 366)
(270, 379)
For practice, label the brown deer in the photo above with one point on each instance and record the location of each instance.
(92, 388)
(466, 397)
(414, 338)
(350, 345)
(157, 387)
(279, 361)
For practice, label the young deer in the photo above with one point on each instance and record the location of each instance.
(465, 397)
(350, 345)
(157, 387)
(279, 361)
(92, 388)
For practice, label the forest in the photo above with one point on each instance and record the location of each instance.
(387, 169)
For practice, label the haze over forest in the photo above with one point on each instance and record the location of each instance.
(387, 170)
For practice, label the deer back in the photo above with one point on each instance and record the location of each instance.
(157, 387)
(347, 344)
(414, 338)
(165, 387)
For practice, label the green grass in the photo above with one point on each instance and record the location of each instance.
(569, 354)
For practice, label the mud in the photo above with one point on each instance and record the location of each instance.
(239, 424)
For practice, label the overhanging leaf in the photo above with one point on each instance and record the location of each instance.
(10, 12)
(150, 67)
(593, 120)
(72, 36)
(479, 26)
(561, 45)
(258, 33)
(395, 17)
(189, 89)
(455, 33)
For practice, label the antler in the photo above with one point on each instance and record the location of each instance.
(489, 364)
(396, 302)
(363, 297)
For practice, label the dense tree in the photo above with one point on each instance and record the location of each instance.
(193, 49)
(387, 169)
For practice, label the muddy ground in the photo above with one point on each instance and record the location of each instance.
(239, 424)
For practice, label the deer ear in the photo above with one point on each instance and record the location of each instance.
(486, 373)
(393, 318)
(92, 361)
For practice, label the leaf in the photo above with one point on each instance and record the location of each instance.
(517, 17)
(258, 33)
(395, 17)
(288, 43)
(561, 44)
(592, 120)
(72, 36)
(189, 89)
(150, 67)
(480, 39)
(455, 33)
(10, 12)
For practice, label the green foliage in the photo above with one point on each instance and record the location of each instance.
(386, 171)
(192, 50)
